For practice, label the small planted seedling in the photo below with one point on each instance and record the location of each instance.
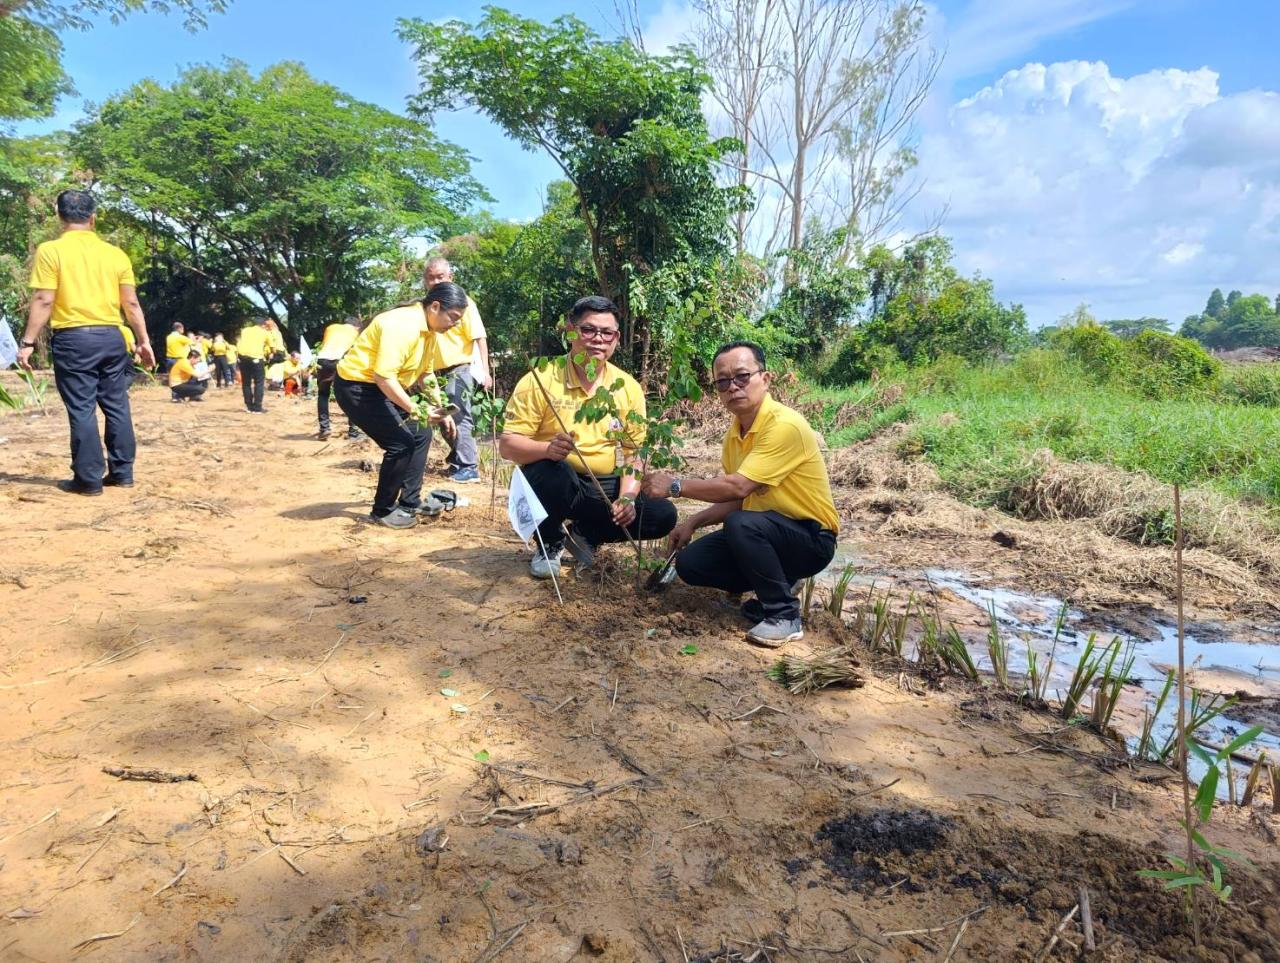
(1087, 669)
(997, 649)
(1147, 748)
(835, 604)
(1110, 685)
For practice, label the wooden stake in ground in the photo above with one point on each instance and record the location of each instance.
(1183, 735)
(590, 474)
(493, 454)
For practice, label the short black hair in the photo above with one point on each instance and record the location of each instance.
(177, 325)
(447, 294)
(593, 304)
(76, 207)
(193, 353)
(751, 346)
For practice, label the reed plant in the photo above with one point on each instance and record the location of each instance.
(1147, 748)
(1087, 670)
(1110, 685)
(835, 604)
(997, 649)
(834, 667)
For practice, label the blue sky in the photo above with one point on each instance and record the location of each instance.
(1096, 187)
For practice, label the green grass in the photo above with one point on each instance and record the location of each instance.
(979, 427)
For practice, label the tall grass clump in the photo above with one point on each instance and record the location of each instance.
(997, 649)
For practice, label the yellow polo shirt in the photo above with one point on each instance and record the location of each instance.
(253, 343)
(780, 450)
(395, 344)
(176, 345)
(337, 339)
(275, 372)
(219, 349)
(276, 339)
(527, 412)
(232, 357)
(454, 347)
(85, 274)
(290, 367)
(181, 373)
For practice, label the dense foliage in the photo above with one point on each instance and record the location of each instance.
(626, 128)
(1236, 321)
(275, 184)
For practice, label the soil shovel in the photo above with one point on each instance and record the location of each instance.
(659, 579)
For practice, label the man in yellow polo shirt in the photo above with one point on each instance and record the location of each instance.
(338, 338)
(373, 385)
(458, 351)
(253, 348)
(533, 439)
(774, 500)
(176, 345)
(79, 283)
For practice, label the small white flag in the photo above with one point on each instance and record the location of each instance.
(304, 350)
(523, 508)
(8, 347)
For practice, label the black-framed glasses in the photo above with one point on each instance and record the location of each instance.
(740, 380)
(592, 333)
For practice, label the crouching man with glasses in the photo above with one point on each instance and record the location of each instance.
(534, 439)
(774, 503)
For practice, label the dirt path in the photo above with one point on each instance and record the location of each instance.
(406, 749)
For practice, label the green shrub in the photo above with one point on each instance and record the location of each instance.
(1252, 384)
(1099, 352)
(856, 358)
(1167, 366)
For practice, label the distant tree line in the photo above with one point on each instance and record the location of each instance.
(1235, 321)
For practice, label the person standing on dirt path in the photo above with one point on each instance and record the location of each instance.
(253, 348)
(457, 350)
(79, 283)
(338, 339)
(773, 501)
(221, 370)
(176, 345)
(533, 439)
(374, 380)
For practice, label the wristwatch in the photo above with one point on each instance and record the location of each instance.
(26, 344)
(674, 490)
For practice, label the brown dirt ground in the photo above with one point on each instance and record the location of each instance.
(634, 803)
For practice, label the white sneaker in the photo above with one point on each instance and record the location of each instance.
(548, 565)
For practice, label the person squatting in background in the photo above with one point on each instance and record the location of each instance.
(185, 381)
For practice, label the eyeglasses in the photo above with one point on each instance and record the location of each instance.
(740, 380)
(592, 333)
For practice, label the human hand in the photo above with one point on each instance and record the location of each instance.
(24, 358)
(658, 484)
(147, 356)
(447, 426)
(624, 511)
(680, 536)
(560, 447)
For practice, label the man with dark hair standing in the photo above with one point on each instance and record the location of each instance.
(79, 284)
(253, 347)
(534, 440)
(456, 351)
(176, 345)
(773, 498)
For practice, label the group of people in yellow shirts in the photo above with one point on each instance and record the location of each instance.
(771, 503)
(771, 506)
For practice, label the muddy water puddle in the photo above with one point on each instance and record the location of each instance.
(1217, 660)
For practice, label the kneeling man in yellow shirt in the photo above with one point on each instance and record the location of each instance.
(773, 499)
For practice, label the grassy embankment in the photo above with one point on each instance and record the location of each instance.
(980, 426)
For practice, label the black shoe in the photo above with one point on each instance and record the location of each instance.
(73, 486)
(115, 481)
(583, 552)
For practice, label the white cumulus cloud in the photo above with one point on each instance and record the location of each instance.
(1065, 183)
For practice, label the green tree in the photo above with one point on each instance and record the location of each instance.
(1250, 322)
(625, 127)
(276, 183)
(820, 299)
(1132, 327)
(32, 77)
(1215, 305)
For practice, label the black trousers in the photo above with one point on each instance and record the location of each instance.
(568, 496)
(253, 382)
(91, 369)
(404, 443)
(189, 389)
(764, 552)
(326, 371)
(222, 371)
